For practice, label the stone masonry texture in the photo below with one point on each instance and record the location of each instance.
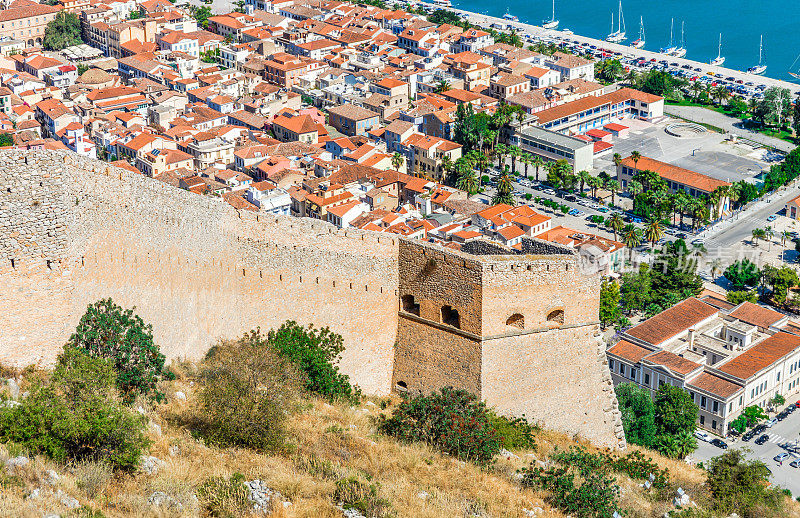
(74, 230)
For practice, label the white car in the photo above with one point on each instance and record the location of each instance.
(772, 422)
(703, 436)
(781, 457)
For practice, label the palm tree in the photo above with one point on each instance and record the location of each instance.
(447, 166)
(501, 150)
(696, 87)
(632, 237)
(631, 77)
(681, 203)
(616, 223)
(468, 181)
(715, 266)
(617, 159)
(784, 236)
(584, 176)
(397, 161)
(654, 232)
(537, 162)
(594, 183)
(613, 187)
(768, 235)
(514, 152)
(636, 188)
(504, 183)
(722, 94)
(635, 156)
(442, 86)
(757, 233)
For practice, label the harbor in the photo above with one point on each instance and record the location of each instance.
(533, 33)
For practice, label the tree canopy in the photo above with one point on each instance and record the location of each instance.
(64, 31)
(638, 413)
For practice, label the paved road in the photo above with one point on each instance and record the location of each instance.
(739, 227)
(729, 124)
(783, 434)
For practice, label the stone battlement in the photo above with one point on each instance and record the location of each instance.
(74, 230)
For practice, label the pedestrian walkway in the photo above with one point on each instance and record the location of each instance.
(729, 124)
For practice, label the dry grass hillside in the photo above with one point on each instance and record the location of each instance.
(329, 443)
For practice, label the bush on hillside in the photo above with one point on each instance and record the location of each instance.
(594, 495)
(742, 486)
(109, 331)
(246, 392)
(515, 433)
(224, 497)
(77, 415)
(315, 352)
(451, 420)
(353, 493)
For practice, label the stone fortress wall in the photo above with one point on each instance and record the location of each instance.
(74, 230)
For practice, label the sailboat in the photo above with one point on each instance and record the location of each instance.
(671, 48)
(680, 51)
(760, 68)
(552, 23)
(639, 43)
(720, 59)
(619, 34)
(795, 75)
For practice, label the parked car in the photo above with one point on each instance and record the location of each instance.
(761, 440)
(772, 217)
(795, 463)
(772, 422)
(748, 435)
(719, 443)
(703, 436)
(781, 457)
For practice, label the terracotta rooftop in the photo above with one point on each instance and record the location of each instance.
(761, 355)
(675, 174)
(672, 321)
(629, 351)
(673, 362)
(756, 315)
(713, 384)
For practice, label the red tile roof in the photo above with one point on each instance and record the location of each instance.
(675, 173)
(756, 315)
(672, 321)
(761, 355)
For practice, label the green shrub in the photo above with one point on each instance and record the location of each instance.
(108, 331)
(262, 383)
(515, 433)
(739, 485)
(224, 497)
(451, 420)
(593, 495)
(353, 493)
(77, 415)
(315, 352)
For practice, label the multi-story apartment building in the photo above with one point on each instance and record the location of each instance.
(26, 21)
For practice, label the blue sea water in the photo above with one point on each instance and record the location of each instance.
(741, 23)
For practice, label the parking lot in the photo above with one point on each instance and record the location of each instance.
(783, 437)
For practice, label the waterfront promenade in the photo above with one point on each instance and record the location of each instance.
(548, 34)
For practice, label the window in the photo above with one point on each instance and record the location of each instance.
(410, 305)
(714, 424)
(703, 402)
(647, 379)
(715, 407)
(451, 317)
(622, 368)
(702, 419)
(611, 365)
(557, 315)
(516, 320)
